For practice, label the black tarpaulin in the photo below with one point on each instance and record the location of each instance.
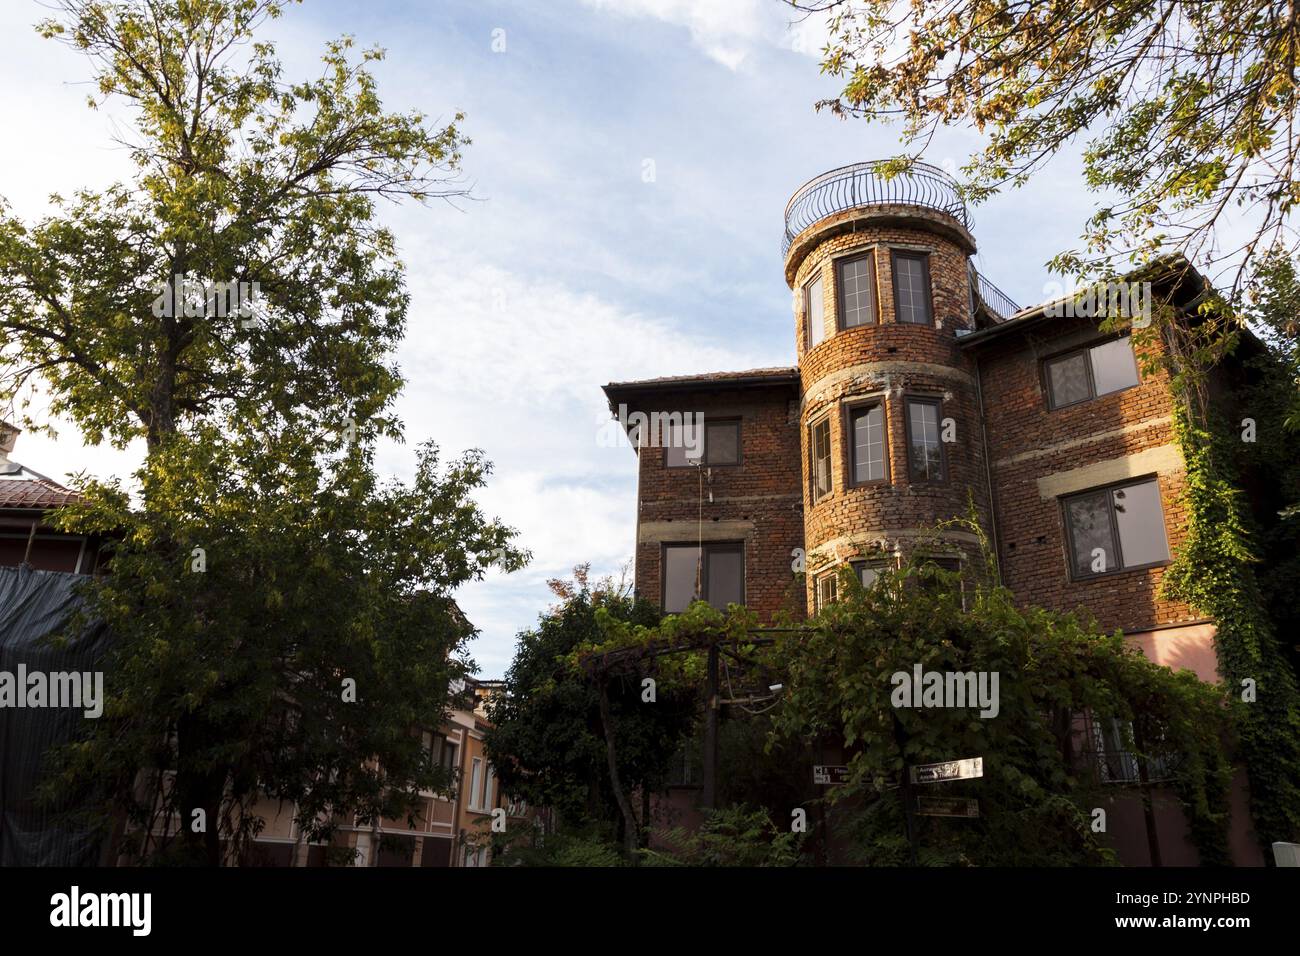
(34, 604)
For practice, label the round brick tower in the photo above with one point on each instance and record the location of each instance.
(891, 430)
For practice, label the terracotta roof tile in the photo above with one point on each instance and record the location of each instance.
(34, 493)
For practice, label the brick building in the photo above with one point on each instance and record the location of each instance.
(26, 497)
(920, 391)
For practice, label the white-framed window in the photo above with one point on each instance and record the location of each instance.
(490, 788)
(826, 588)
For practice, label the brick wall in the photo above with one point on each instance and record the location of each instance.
(1029, 444)
(891, 362)
(766, 501)
(756, 502)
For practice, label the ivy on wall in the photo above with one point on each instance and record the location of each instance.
(1215, 568)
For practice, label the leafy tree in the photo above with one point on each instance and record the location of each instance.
(1187, 107)
(242, 178)
(276, 639)
(258, 424)
(547, 739)
(1036, 793)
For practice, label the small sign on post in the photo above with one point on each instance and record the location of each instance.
(964, 807)
(827, 774)
(948, 770)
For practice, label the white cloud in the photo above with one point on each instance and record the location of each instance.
(513, 364)
(730, 31)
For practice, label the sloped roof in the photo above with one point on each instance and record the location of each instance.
(27, 489)
(784, 375)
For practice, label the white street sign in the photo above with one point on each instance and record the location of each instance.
(948, 770)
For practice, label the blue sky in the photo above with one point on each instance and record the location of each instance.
(568, 269)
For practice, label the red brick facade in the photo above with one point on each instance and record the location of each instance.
(1036, 453)
(1005, 451)
(754, 503)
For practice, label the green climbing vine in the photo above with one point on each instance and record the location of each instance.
(1214, 569)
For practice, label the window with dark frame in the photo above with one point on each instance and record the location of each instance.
(447, 754)
(855, 281)
(924, 447)
(814, 313)
(912, 305)
(931, 582)
(715, 574)
(820, 446)
(722, 443)
(868, 451)
(1090, 372)
(719, 444)
(868, 572)
(1114, 529)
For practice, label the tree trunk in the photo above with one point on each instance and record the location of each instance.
(198, 791)
(630, 839)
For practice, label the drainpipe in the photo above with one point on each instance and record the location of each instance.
(988, 472)
(636, 544)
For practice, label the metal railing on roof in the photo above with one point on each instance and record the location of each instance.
(994, 299)
(863, 185)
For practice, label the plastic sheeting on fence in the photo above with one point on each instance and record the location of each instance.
(34, 604)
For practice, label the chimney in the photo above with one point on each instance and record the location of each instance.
(8, 436)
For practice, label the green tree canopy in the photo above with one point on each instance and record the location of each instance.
(258, 565)
(547, 740)
(242, 177)
(1182, 111)
(281, 632)
(1040, 783)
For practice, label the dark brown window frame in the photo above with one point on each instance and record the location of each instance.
(885, 563)
(924, 257)
(840, 263)
(1120, 568)
(813, 497)
(944, 464)
(1073, 350)
(814, 276)
(704, 547)
(950, 563)
(704, 459)
(850, 472)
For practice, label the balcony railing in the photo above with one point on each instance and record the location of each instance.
(862, 185)
(993, 298)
